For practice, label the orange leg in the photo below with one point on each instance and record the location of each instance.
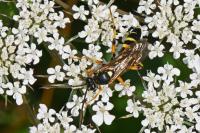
(90, 72)
(114, 42)
(120, 80)
(113, 48)
(138, 66)
(95, 96)
(99, 62)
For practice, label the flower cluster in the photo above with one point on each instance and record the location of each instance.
(167, 106)
(167, 102)
(171, 21)
(164, 98)
(104, 23)
(37, 22)
(53, 122)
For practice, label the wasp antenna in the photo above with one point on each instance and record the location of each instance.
(109, 4)
(83, 103)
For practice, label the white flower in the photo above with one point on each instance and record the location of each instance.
(80, 12)
(84, 129)
(195, 77)
(125, 88)
(146, 6)
(1, 90)
(47, 6)
(91, 31)
(106, 93)
(45, 114)
(169, 91)
(168, 72)
(41, 35)
(72, 70)
(69, 54)
(64, 119)
(75, 105)
(75, 81)
(27, 76)
(56, 43)
(191, 113)
(55, 128)
(151, 97)
(177, 49)
(16, 91)
(145, 31)
(102, 115)
(55, 74)
(184, 89)
(156, 50)
(93, 52)
(40, 128)
(187, 35)
(60, 21)
(33, 54)
(196, 41)
(190, 58)
(84, 63)
(152, 80)
(91, 2)
(133, 107)
(196, 24)
(2, 86)
(130, 21)
(70, 129)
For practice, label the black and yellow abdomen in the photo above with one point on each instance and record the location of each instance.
(133, 36)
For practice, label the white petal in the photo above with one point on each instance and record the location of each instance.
(50, 71)
(76, 15)
(98, 119)
(22, 90)
(19, 99)
(52, 78)
(145, 122)
(82, 34)
(108, 118)
(70, 105)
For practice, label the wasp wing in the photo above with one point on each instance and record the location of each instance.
(127, 58)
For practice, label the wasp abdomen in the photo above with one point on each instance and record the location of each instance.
(135, 34)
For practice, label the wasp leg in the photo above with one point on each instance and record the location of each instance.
(114, 42)
(95, 96)
(94, 60)
(120, 80)
(138, 66)
(90, 72)
(99, 62)
(113, 48)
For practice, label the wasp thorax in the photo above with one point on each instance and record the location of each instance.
(103, 78)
